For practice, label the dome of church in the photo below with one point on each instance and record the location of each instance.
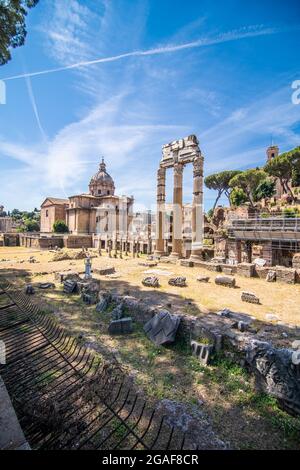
(101, 183)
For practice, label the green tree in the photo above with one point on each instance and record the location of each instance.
(248, 181)
(31, 225)
(60, 226)
(13, 28)
(238, 197)
(220, 183)
(264, 190)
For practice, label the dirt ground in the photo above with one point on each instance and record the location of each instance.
(223, 391)
(278, 299)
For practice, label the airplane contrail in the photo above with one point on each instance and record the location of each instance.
(233, 35)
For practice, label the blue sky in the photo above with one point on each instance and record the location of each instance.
(123, 77)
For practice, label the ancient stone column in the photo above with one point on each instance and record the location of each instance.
(177, 212)
(160, 213)
(197, 209)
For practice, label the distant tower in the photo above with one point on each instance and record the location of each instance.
(272, 152)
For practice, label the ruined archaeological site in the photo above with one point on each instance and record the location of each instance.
(149, 230)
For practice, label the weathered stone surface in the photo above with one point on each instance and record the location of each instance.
(104, 271)
(186, 262)
(202, 351)
(103, 303)
(46, 285)
(203, 278)
(225, 313)
(195, 425)
(117, 312)
(162, 328)
(88, 298)
(275, 373)
(227, 270)
(121, 326)
(271, 276)
(179, 281)
(64, 275)
(225, 281)
(246, 269)
(287, 275)
(70, 287)
(147, 264)
(249, 297)
(208, 265)
(296, 261)
(150, 281)
(29, 290)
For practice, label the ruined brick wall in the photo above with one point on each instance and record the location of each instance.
(78, 241)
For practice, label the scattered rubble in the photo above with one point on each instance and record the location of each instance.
(203, 278)
(150, 281)
(249, 297)
(225, 281)
(179, 281)
(162, 328)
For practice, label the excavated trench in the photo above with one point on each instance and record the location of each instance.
(64, 397)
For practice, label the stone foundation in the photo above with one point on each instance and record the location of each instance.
(287, 275)
(246, 269)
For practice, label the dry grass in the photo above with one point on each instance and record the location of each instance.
(279, 299)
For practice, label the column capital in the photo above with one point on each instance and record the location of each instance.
(178, 169)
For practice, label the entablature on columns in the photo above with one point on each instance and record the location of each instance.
(181, 151)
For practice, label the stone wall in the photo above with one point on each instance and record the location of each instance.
(78, 241)
(274, 368)
(246, 269)
(287, 275)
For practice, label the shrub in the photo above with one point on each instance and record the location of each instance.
(60, 226)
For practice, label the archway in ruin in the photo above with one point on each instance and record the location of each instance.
(177, 155)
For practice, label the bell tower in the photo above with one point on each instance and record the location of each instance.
(272, 152)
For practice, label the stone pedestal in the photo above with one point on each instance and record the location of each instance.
(177, 212)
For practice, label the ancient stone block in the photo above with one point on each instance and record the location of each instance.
(150, 281)
(287, 275)
(186, 262)
(64, 275)
(227, 270)
(121, 326)
(177, 281)
(296, 261)
(225, 281)
(70, 287)
(104, 271)
(271, 276)
(226, 312)
(208, 265)
(249, 297)
(202, 351)
(162, 328)
(246, 269)
(276, 373)
(117, 312)
(203, 278)
(46, 285)
(103, 303)
(148, 264)
(29, 290)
